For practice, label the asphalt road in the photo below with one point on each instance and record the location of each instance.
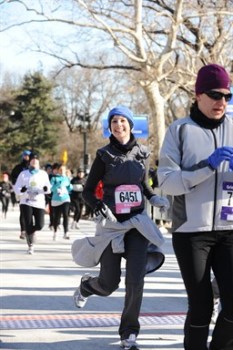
(37, 306)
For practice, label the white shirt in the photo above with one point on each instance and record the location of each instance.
(34, 196)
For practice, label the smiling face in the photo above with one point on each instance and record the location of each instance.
(120, 128)
(212, 109)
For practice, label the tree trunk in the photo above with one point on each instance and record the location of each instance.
(156, 102)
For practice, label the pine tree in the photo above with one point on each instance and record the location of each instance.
(33, 124)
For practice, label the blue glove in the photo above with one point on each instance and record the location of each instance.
(219, 155)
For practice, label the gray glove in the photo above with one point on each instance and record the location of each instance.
(160, 202)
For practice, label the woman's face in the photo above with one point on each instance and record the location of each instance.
(34, 163)
(120, 128)
(5, 177)
(62, 170)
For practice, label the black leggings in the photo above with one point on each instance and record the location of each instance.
(5, 204)
(197, 253)
(33, 219)
(109, 279)
(78, 207)
(58, 211)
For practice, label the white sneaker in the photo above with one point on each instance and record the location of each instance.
(66, 236)
(31, 250)
(130, 343)
(79, 299)
(54, 236)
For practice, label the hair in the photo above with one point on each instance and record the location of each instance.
(56, 166)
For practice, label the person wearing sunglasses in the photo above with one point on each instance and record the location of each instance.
(196, 168)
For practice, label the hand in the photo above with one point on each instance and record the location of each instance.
(219, 155)
(160, 202)
(23, 189)
(45, 188)
(100, 210)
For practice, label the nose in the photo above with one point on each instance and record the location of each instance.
(118, 122)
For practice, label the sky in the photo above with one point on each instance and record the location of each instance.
(14, 58)
(16, 55)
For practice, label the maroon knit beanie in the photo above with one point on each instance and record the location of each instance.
(212, 77)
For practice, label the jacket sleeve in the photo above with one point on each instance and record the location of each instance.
(173, 178)
(96, 174)
(15, 173)
(19, 184)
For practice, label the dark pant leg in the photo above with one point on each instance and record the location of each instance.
(109, 276)
(65, 213)
(3, 200)
(5, 203)
(27, 216)
(38, 219)
(135, 255)
(57, 211)
(50, 213)
(21, 219)
(79, 211)
(222, 337)
(193, 252)
(75, 203)
(34, 221)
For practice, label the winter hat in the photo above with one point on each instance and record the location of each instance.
(33, 156)
(26, 153)
(124, 112)
(212, 77)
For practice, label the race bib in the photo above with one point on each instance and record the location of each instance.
(32, 191)
(126, 197)
(227, 202)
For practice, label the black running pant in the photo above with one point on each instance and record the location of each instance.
(197, 253)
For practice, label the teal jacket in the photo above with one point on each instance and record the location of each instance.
(61, 188)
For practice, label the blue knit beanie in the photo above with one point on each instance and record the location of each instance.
(124, 112)
(26, 153)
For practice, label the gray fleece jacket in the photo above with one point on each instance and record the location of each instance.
(87, 251)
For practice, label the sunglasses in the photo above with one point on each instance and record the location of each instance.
(217, 96)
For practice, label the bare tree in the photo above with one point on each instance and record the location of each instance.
(159, 44)
(89, 93)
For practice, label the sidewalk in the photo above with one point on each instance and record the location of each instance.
(36, 297)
